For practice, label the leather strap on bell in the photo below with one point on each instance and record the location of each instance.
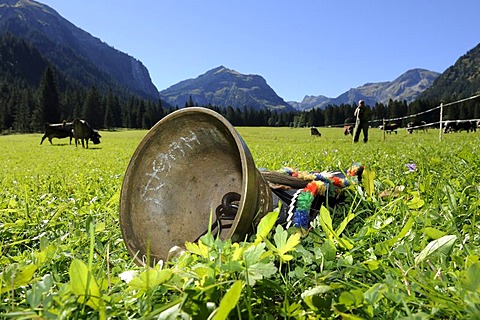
(279, 180)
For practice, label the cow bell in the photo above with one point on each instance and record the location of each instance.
(190, 173)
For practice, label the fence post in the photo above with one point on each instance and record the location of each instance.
(383, 126)
(441, 117)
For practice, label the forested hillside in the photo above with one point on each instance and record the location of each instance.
(32, 92)
(459, 81)
(81, 57)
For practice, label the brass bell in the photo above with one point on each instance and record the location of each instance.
(191, 168)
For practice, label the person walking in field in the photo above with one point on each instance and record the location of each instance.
(361, 122)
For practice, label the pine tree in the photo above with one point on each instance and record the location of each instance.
(67, 105)
(3, 112)
(140, 115)
(93, 108)
(11, 107)
(127, 113)
(47, 108)
(21, 123)
(117, 111)
(328, 115)
(109, 121)
(230, 114)
(160, 113)
(48, 100)
(189, 103)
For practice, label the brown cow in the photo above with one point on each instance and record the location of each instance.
(82, 131)
(348, 129)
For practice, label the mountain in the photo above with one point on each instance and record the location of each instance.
(459, 81)
(309, 102)
(407, 87)
(223, 87)
(77, 53)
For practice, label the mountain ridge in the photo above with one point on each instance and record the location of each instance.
(73, 49)
(407, 86)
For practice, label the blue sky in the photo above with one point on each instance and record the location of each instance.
(300, 47)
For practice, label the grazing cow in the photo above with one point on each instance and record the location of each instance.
(57, 130)
(459, 125)
(314, 132)
(416, 125)
(82, 131)
(347, 129)
(390, 127)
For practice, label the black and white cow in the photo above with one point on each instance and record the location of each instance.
(82, 131)
(460, 125)
(314, 132)
(416, 125)
(57, 130)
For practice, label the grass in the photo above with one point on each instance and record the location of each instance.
(414, 255)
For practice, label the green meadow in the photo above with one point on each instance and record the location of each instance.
(404, 245)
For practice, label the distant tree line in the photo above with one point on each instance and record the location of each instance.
(26, 109)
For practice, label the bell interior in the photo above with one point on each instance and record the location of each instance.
(177, 178)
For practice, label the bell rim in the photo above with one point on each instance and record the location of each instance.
(243, 219)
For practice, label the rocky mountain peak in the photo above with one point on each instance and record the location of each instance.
(221, 69)
(225, 87)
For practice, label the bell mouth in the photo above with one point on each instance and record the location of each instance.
(179, 176)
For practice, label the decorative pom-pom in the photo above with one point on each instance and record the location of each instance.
(301, 219)
(304, 200)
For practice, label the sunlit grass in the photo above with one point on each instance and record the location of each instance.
(53, 197)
